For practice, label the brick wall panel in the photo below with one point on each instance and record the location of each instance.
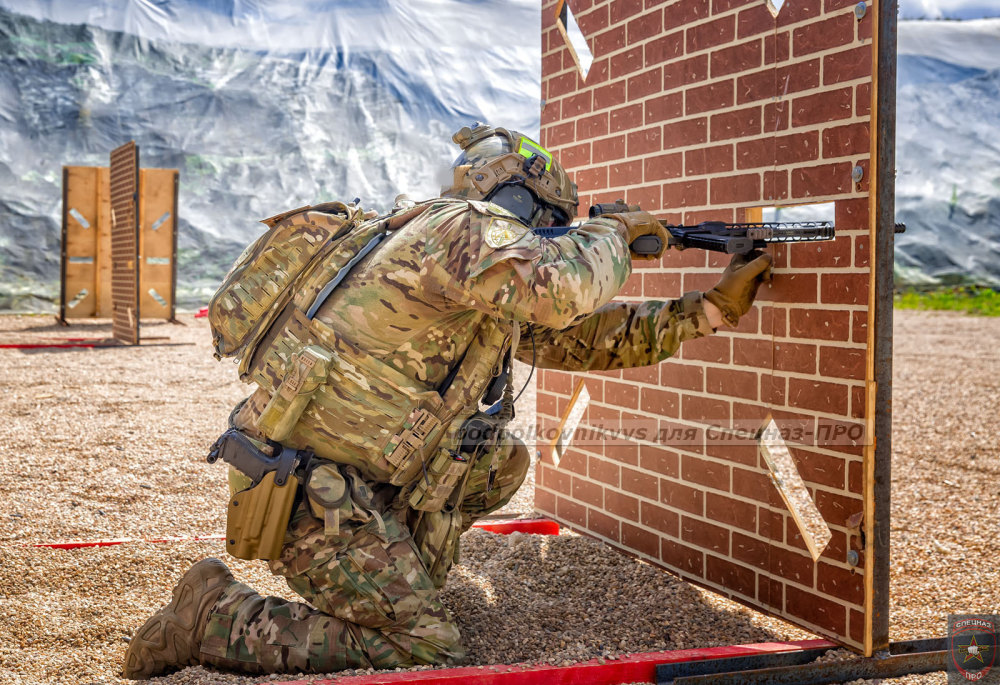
(624, 173)
(645, 83)
(682, 557)
(837, 253)
(682, 497)
(777, 47)
(640, 540)
(705, 472)
(664, 49)
(752, 485)
(791, 566)
(739, 124)
(777, 116)
(822, 35)
(731, 576)
(639, 483)
(816, 609)
(717, 95)
(659, 518)
(644, 141)
(730, 511)
(664, 108)
(844, 141)
(839, 582)
(572, 512)
(735, 189)
(603, 525)
(644, 197)
(839, 362)
(608, 149)
(683, 133)
(604, 471)
(645, 27)
(625, 63)
(736, 58)
(727, 449)
(609, 41)
(658, 461)
(685, 72)
(708, 160)
(703, 110)
(844, 288)
(683, 12)
(686, 193)
(754, 20)
(683, 376)
(775, 186)
(720, 6)
(705, 535)
(824, 179)
(623, 10)
(847, 65)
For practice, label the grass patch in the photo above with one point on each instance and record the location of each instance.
(969, 299)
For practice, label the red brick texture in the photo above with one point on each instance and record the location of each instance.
(710, 109)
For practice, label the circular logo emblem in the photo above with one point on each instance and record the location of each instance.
(973, 645)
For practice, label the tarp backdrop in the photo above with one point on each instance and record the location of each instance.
(262, 106)
(268, 106)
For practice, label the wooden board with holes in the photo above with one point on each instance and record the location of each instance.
(86, 252)
(80, 243)
(157, 242)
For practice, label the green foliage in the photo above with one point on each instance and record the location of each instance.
(970, 299)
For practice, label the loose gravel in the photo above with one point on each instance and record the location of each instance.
(110, 443)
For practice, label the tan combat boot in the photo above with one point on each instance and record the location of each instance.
(171, 638)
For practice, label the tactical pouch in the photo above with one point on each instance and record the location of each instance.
(436, 538)
(264, 277)
(442, 475)
(365, 414)
(329, 498)
(257, 518)
(307, 370)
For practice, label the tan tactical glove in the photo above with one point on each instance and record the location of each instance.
(638, 224)
(734, 294)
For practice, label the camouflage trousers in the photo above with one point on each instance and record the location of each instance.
(374, 601)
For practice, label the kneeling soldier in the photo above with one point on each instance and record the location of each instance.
(364, 454)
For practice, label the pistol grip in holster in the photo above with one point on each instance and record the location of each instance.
(257, 518)
(308, 369)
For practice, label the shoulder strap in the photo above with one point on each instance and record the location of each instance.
(390, 223)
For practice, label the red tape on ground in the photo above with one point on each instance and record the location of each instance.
(502, 527)
(635, 668)
(42, 346)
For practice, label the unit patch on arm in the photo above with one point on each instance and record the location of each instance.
(502, 232)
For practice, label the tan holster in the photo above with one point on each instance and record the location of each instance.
(257, 519)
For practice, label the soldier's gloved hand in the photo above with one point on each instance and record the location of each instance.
(639, 224)
(735, 292)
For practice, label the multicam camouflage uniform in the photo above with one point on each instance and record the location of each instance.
(445, 289)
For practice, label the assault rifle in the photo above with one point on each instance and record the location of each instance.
(716, 236)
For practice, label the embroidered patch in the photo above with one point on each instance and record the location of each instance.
(501, 233)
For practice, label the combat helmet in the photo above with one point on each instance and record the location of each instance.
(513, 171)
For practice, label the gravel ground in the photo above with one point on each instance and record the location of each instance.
(110, 443)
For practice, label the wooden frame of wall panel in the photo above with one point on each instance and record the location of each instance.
(676, 115)
(86, 192)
